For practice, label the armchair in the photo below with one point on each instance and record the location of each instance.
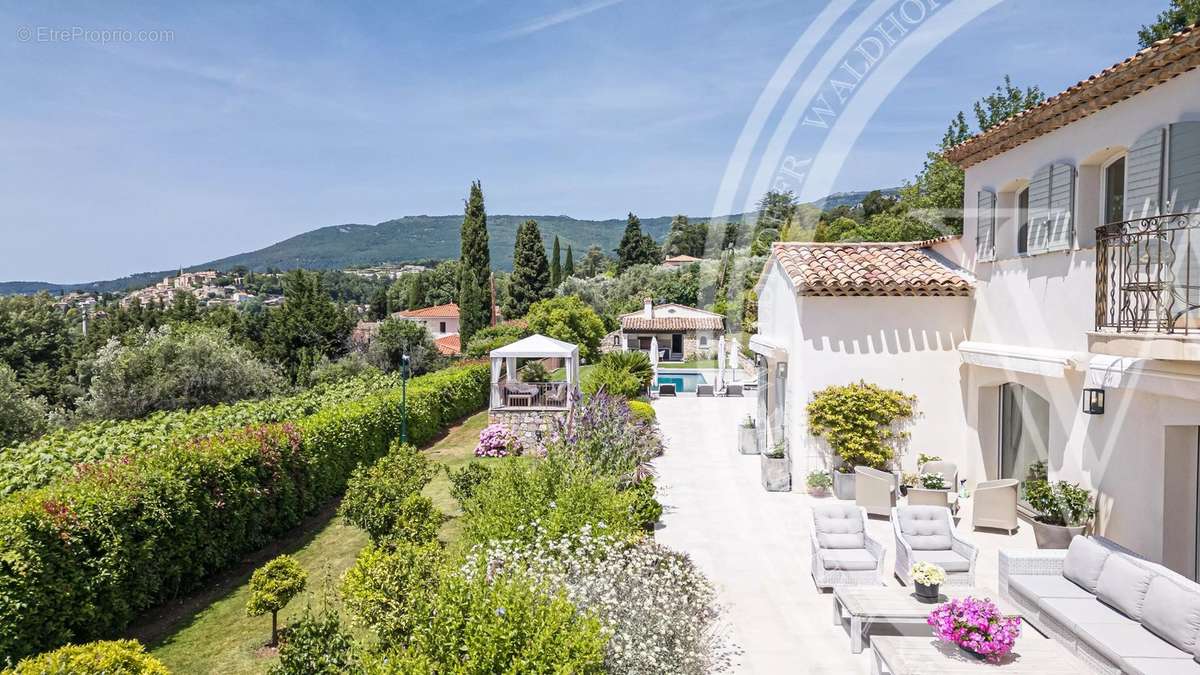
(949, 471)
(874, 490)
(995, 504)
(926, 534)
(842, 551)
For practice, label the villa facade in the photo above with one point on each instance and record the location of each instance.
(1085, 283)
(683, 333)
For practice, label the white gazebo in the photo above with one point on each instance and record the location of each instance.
(509, 393)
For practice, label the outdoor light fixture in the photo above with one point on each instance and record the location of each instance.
(1093, 401)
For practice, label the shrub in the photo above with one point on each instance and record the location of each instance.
(556, 495)
(315, 644)
(570, 320)
(464, 481)
(83, 556)
(174, 368)
(1060, 503)
(607, 437)
(348, 367)
(389, 590)
(534, 371)
(642, 411)
(636, 363)
(646, 509)
(272, 587)
(397, 337)
(116, 657)
(858, 421)
(612, 381)
(662, 613)
(379, 498)
(21, 416)
(494, 337)
(496, 440)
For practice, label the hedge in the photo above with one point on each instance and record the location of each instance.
(82, 557)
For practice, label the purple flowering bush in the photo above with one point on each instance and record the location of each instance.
(497, 441)
(976, 626)
(608, 437)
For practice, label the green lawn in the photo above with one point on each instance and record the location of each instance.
(220, 638)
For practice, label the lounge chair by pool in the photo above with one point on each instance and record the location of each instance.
(733, 390)
(666, 390)
(704, 390)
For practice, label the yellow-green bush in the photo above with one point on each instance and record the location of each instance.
(117, 657)
(643, 411)
(81, 557)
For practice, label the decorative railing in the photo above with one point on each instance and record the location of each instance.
(530, 395)
(1148, 275)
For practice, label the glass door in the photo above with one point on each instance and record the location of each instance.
(1024, 434)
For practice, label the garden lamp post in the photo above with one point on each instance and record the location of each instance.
(404, 362)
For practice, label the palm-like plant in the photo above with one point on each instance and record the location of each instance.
(635, 363)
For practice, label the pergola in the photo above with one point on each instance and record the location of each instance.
(510, 394)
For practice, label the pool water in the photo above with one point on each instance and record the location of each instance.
(682, 381)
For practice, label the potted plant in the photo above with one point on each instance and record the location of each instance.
(934, 481)
(776, 474)
(1063, 511)
(861, 422)
(818, 482)
(907, 480)
(926, 578)
(747, 437)
(843, 481)
(976, 626)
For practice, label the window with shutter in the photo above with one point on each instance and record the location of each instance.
(1039, 209)
(985, 226)
(1060, 228)
(1183, 168)
(1143, 175)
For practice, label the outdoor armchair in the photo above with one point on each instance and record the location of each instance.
(995, 504)
(949, 471)
(842, 551)
(874, 490)
(919, 496)
(927, 534)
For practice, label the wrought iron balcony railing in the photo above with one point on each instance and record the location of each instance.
(1148, 275)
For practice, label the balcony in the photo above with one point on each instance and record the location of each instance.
(522, 396)
(1148, 288)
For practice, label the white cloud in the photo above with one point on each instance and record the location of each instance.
(555, 18)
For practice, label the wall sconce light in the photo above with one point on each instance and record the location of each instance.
(1093, 401)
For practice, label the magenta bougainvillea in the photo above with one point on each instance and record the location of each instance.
(976, 626)
(497, 441)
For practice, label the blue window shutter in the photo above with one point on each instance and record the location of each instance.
(1183, 168)
(1039, 210)
(985, 226)
(1060, 224)
(1143, 175)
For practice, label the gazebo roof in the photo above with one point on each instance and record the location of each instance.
(536, 346)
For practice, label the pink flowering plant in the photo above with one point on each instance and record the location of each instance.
(976, 625)
(497, 441)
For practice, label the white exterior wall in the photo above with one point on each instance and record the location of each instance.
(1048, 301)
(433, 325)
(904, 343)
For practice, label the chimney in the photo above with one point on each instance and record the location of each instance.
(648, 308)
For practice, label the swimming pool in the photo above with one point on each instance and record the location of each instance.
(683, 381)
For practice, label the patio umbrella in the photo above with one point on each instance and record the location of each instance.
(733, 359)
(720, 363)
(654, 361)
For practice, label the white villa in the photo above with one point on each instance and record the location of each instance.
(1076, 282)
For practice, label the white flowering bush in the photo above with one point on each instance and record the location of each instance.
(660, 611)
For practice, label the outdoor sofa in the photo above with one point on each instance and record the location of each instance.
(927, 534)
(1117, 612)
(842, 551)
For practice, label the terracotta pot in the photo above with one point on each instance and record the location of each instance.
(1055, 536)
(748, 440)
(843, 485)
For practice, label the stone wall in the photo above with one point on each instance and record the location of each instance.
(529, 426)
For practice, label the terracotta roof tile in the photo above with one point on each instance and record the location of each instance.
(1150, 67)
(672, 323)
(449, 311)
(868, 269)
(449, 345)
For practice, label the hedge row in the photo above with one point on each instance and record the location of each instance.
(38, 462)
(83, 556)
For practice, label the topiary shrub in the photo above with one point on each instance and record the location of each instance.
(643, 411)
(316, 644)
(115, 657)
(272, 587)
(381, 498)
(859, 422)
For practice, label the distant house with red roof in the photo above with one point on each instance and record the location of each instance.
(439, 320)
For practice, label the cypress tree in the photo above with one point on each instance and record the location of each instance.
(475, 307)
(569, 266)
(530, 280)
(636, 247)
(416, 292)
(555, 265)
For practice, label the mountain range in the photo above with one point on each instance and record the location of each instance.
(407, 239)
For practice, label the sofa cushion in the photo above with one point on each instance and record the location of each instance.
(848, 559)
(1172, 612)
(925, 528)
(1123, 584)
(1180, 666)
(947, 560)
(1037, 586)
(1084, 562)
(838, 526)
(1074, 612)
(1118, 641)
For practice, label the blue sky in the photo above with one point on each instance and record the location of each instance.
(258, 121)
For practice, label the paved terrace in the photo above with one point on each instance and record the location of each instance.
(754, 544)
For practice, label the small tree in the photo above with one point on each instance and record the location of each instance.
(556, 264)
(858, 421)
(569, 265)
(530, 280)
(378, 497)
(570, 320)
(398, 337)
(272, 587)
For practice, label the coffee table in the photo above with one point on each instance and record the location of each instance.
(884, 604)
(1033, 655)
